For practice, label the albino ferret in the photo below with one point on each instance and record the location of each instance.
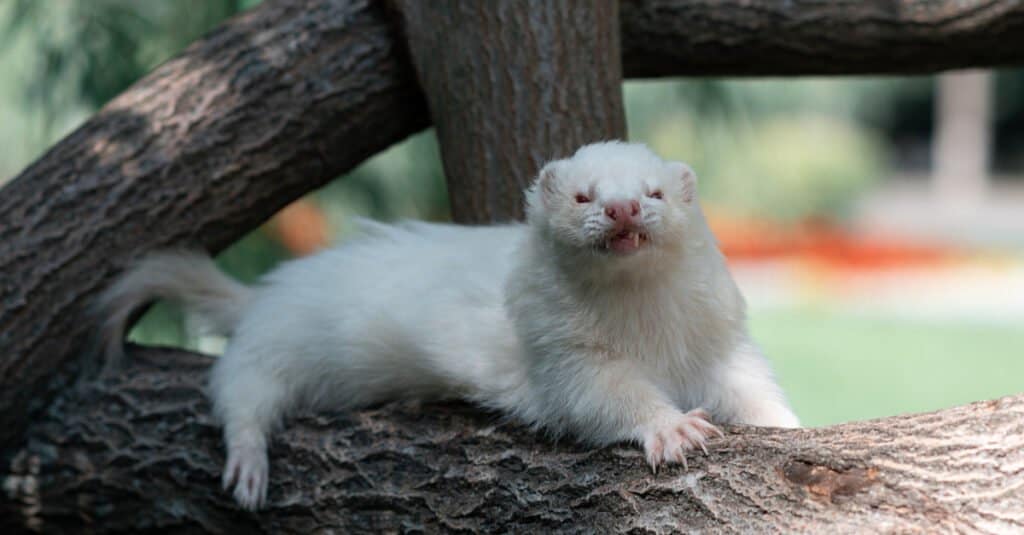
(609, 316)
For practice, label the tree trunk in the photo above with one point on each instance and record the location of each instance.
(512, 85)
(142, 452)
(281, 99)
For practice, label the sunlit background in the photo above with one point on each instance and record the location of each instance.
(876, 225)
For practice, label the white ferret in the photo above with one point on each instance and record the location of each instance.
(609, 316)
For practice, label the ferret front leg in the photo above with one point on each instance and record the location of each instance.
(613, 401)
(668, 435)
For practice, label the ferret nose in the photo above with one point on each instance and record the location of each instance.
(622, 211)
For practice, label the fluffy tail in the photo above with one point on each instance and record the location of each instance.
(187, 277)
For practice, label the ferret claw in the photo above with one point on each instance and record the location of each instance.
(667, 439)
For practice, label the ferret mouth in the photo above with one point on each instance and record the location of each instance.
(626, 241)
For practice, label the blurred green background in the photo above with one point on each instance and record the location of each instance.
(787, 155)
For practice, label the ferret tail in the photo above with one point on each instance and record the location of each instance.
(186, 277)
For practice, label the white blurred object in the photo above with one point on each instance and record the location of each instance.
(962, 139)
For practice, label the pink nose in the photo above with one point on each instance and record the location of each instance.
(623, 212)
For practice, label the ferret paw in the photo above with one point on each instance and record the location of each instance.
(668, 437)
(247, 469)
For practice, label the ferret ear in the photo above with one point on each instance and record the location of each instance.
(683, 172)
(549, 177)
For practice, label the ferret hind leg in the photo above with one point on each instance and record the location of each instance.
(250, 403)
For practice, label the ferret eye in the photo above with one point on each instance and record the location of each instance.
(582, 199)
(655, 194)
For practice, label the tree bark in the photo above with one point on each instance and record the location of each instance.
(512, 85)
(141, 452)
(280, 100)
(799, 37)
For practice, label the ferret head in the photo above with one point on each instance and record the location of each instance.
(618, 200)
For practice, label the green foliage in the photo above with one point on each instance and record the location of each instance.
(763, 149)
(70, 58)
(96, 49)
(793, 168)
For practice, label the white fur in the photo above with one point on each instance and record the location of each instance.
(185, 276)
(536, 320)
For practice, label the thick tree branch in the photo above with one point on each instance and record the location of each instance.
(772, 37)
(141, 451)
(287, 96)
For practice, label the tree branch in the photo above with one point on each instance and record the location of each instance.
(141, 451)
(800, 37)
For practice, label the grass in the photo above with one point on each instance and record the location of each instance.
(837, 367)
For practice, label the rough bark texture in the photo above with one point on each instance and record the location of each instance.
(515, 85)
(266, 108)
(287, 96)
(141, 452)
(771, 37)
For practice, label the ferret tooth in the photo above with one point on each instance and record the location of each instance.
(636, 240)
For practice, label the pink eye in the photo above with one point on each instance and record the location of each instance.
(655, 195)
(582, 199)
